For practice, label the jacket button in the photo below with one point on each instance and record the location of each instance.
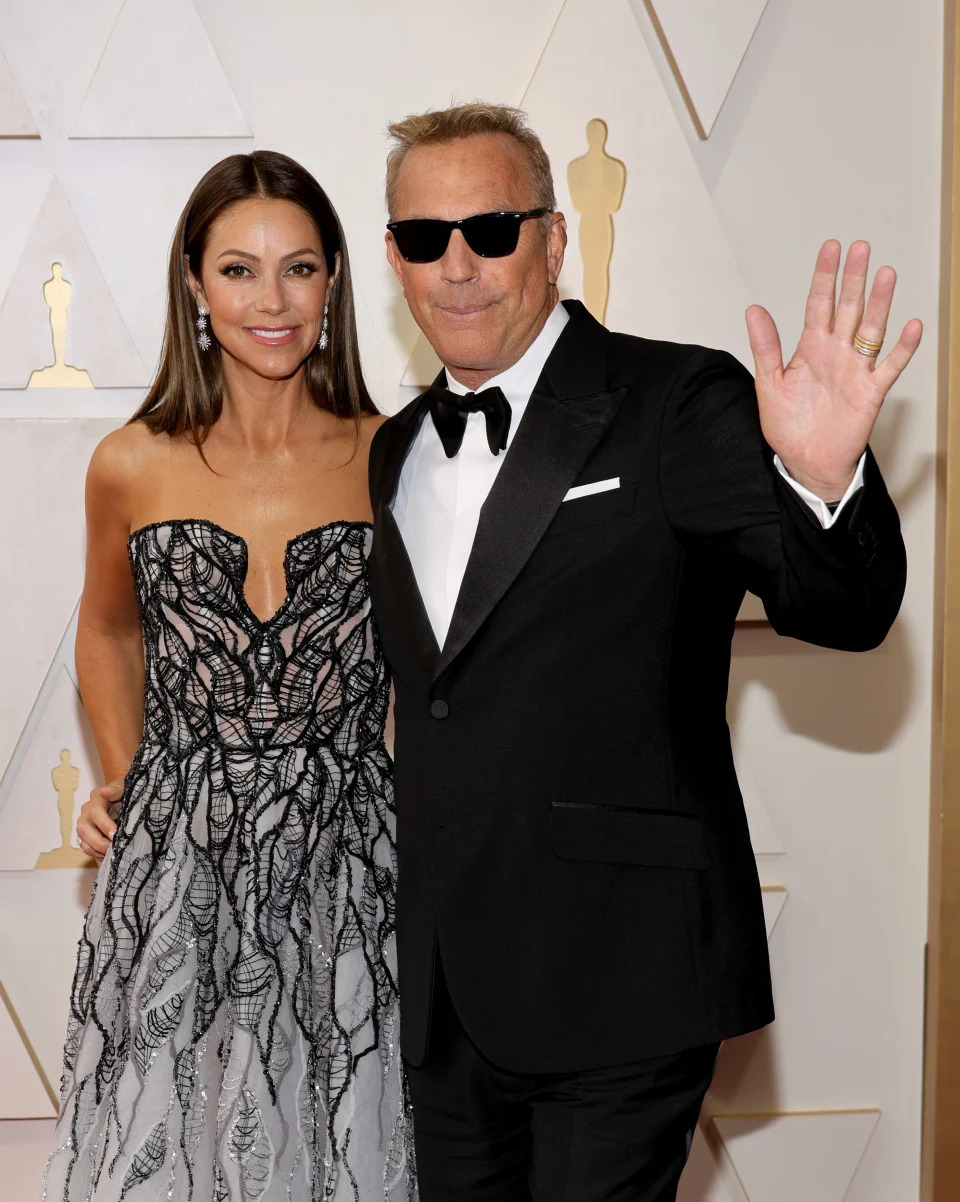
(439, 709)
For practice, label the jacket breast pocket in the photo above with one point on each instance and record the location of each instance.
(620, 835)
(593, 509)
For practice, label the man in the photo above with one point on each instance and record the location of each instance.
(566, 524)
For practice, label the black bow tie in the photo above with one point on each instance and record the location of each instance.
(449, 412)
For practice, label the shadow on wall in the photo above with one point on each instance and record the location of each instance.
(854, 702)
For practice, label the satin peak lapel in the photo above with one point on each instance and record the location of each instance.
(552, 443)
(400, 609)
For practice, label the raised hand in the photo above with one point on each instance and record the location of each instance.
(817, 413)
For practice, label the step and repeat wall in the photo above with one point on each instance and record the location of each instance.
(702, 152)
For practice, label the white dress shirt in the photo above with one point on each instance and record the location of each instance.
(437, 506)
(438, 501)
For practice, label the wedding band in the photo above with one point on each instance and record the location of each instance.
(870, 349)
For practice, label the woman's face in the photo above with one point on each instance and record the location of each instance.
(264, 283)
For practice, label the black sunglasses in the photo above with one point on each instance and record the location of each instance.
(489, 235)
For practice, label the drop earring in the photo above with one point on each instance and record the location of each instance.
(323, 341)
(203, 338)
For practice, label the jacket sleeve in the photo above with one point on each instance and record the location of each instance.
(722, 495)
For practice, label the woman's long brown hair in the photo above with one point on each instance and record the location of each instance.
(186, 396)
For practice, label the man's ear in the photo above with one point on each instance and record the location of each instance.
(556, 246)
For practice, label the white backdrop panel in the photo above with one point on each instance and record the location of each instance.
(707, 52)
(159, 77)
(97, 338)
(15, 118)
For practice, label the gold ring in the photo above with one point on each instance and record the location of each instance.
(870, 349)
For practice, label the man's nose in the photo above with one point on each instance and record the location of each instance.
(459, 262)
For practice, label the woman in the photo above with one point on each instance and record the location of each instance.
(233, 1025)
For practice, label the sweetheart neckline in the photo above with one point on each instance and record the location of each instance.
(239, 537)
(261, 623)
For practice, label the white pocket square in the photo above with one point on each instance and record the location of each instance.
(587, 490)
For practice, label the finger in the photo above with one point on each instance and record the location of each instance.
(89, 851)
(821, 298)
(853, 286)
(764, 342)
(888, 370)
(97, 818)
(112, 791)
(873, 327)
(92, 838)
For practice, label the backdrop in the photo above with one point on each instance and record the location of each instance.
(747, 132)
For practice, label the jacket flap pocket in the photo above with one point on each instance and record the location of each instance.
(620, 835)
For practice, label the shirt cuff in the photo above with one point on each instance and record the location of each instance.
(821, 508)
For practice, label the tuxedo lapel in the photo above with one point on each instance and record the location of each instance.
(558, 433)
(400, 602)
(399, 432)
(552, 444)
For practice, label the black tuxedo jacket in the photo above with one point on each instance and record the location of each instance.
(571, 837)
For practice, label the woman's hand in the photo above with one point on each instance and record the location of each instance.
(95, 826)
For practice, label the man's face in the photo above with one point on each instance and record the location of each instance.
(480, 315)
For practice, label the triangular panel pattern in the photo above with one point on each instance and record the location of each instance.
(160, 77)
(809, 1157)
(708, 1177)
(422, 368)
(23, 1092)
(15, 118)
(673, 274)
(29, 822)
(29, 826)
(774, 899)
(97, 338)
(705, 44)
(38, 957)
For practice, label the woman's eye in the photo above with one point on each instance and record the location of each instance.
(236, 271)
(302, 269)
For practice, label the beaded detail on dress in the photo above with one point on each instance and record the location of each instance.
(233, 1029)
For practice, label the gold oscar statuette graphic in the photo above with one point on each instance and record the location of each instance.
(56, 293)
(65, 779)
(597, 182)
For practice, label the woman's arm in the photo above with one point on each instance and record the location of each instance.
(109, 648)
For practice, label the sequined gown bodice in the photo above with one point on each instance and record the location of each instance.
(233, 1027)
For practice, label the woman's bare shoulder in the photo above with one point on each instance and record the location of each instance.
(122, 457)
(370, 423)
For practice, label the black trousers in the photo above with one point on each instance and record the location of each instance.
(618, 1134)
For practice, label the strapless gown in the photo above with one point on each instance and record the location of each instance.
(233, 1028)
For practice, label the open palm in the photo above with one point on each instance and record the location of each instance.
(817, 413)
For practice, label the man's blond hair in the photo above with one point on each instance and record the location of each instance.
(467, 121)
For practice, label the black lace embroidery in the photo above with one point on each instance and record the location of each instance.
(233, 1027)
